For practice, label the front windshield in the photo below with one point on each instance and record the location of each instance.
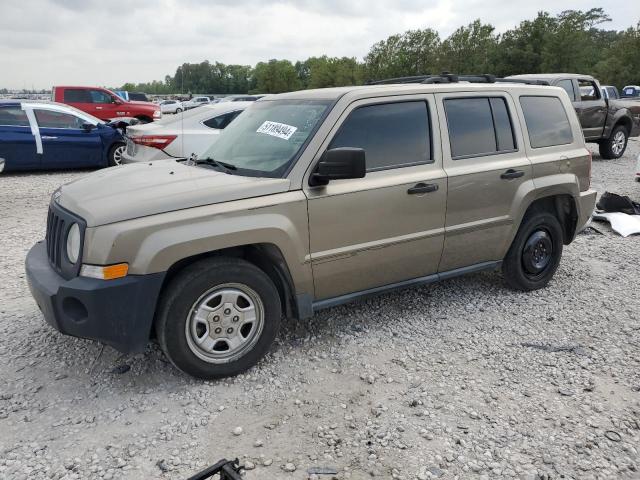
(267, 136)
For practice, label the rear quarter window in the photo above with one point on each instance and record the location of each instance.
(77, 95)
(13, 117)
(547, 121)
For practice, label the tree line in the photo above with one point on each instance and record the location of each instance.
(572, 41)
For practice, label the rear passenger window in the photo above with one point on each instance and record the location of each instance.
(478, 126)
(13, 117)
(77, 95)
(547, 121)
(392, 134)
(567, 85)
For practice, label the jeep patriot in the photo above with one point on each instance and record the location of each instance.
(313, 199)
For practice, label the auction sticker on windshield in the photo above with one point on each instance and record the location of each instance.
(275, 129)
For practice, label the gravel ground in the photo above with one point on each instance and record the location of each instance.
(463, 379)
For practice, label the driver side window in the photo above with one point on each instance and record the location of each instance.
(98, 96)
(51, 119)
(588, 90)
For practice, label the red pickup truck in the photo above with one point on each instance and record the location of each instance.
(105, 104)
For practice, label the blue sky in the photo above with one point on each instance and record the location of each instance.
(49, 42)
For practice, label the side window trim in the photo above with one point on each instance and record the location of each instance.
(428, 161)
(493, 121)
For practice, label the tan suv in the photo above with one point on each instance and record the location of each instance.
(309, 200)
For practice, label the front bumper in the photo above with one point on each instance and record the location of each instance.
(117, 312)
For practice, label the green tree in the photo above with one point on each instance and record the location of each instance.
(620, 63)
(470, 49)
(572, 45)
(276, 76)
(321, 72)
(415, 52)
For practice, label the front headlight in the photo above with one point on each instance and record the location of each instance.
(157, 114)
(73, 243)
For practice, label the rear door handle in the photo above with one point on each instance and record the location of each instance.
(511, 174)
(47, 137)
(422, 188)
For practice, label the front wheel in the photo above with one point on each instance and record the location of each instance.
(218, 317)
(178, 110)
(115, 154)
(614, 146)
(535, 253)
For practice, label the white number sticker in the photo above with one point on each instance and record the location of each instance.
(275, 129)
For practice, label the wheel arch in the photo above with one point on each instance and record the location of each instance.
(563, 206)
(625, 122)
(266, 256)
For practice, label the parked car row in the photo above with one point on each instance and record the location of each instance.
(606, 120)
(47, 135)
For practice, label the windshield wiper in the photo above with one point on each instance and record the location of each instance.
(217, 163)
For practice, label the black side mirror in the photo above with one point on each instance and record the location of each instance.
(339, 164)
(87, 127)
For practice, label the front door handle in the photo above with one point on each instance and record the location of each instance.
(511, 174)
(422, 188)
(47, 137)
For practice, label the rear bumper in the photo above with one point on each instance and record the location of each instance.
(117, 312)
(587, 203)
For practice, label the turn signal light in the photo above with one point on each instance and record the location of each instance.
(108, 272)
(155, 141)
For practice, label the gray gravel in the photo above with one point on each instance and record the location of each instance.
(463, 379)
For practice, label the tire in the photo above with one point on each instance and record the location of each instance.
(178, 110)
(614, 146)
(115, 154)
(200, 308)
(535, 253)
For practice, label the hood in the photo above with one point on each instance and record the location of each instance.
(146, 104)
(141, 189)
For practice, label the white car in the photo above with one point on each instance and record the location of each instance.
(181, 135)
(195, 102)
(171, 106)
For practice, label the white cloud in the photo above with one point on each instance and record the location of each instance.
(48, 42)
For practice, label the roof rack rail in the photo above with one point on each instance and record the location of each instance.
(446, 77)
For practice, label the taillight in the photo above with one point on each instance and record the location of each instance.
(155, 141)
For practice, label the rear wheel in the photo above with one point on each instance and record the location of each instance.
(616, 144)
(178, 110)
(218, 317)
(115, 154)
(535, 253)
